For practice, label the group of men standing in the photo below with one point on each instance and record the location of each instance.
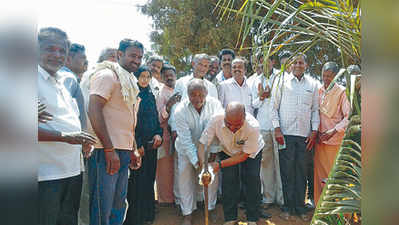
(257, 132)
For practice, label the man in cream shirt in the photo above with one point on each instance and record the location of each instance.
(239, 136)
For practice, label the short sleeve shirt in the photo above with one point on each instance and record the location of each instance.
(247, 139)
(119, 120)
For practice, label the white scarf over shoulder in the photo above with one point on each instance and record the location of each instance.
(128, 81)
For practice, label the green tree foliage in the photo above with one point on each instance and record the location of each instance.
(186, 27)
(330, 31)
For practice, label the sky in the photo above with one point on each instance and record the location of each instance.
(96, 23)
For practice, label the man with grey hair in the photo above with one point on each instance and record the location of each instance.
(109, 54)
(155, 64)
(59, 153)
(192, 116)
(200, 65)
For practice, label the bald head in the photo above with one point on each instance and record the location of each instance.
(234, 116)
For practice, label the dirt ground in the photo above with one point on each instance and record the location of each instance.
(171, 216)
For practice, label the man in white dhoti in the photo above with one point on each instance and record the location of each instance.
(191, 118)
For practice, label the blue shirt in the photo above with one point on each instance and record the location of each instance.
(70, 81)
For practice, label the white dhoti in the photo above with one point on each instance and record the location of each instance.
(187, 182)
(270, 171)
(176, 179)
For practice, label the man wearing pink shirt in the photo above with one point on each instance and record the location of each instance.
(334, 113)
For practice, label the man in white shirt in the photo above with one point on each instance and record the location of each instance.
(238, 134)
(236, 88)
(201, 63)
(155, 64)
(270, 168)
(59, 153)
(295, 114)
(71, 72)
(192, 115)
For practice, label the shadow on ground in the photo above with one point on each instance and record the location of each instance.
(171, 216)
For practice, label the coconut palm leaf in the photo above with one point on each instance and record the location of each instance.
(336, 22)
(342, 193)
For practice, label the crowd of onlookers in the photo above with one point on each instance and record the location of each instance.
(122, 130)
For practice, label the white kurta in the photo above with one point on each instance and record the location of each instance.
(189, 126)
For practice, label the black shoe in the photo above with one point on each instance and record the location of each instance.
(265, 215)
(266, 205)
(200, 204)
(310, 205)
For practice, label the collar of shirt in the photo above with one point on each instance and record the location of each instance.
(220, 76)
(192, 77)
(323, 89)
(323, 92)
(47, 76)
(169, 89)
(66, 69)
(233, 80)
(293, 77)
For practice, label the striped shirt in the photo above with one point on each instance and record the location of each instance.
(295, 106)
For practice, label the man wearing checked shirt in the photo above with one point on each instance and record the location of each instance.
(295, 119)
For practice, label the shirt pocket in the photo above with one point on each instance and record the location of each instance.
(307, 97)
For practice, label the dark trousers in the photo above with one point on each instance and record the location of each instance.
(293, 174)
(84, 215)
(250, 168)
(309, 172)
(59, 201)
(140, 195)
